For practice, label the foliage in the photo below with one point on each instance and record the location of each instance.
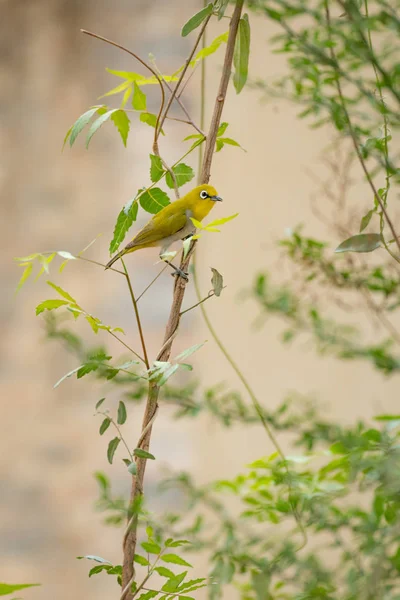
(324, 522)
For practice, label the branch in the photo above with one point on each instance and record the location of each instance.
(173, 321)
(354, 138)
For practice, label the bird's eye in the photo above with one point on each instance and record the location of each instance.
(203, 194)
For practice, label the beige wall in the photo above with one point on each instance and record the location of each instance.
(49, 443)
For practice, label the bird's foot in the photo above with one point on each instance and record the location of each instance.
(179, 273)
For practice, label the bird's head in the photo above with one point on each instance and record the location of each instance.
(202, 199)
(207, 192)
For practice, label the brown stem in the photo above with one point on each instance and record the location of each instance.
(130, 539)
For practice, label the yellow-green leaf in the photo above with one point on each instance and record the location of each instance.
(217, 222)
(49, 305)
(125, 85)
(80, 124)
(150, 119)
(62, 292)
(139, 98)
(25, 275)
(121, 122)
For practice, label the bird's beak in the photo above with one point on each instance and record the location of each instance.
(216, 198)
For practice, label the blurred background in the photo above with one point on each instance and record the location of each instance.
(49, 444)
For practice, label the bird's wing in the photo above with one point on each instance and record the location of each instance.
(161, 226)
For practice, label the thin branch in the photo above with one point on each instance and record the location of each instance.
(210, 295)
(139, 324)
(126, 346)
(182, 75)
(184, 109)
(354, 138)
(151, 283)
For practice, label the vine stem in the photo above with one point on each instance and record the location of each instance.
(130, 538)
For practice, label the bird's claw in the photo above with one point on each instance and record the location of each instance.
(180, 273)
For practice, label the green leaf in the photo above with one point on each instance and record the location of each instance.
(222, 8)
(132, 468)
(151, 547)
(66, 376)
(175, 559)
(143, 454)
(139, 98)
(99, 403)
(217, 281)
(241, 54)
(25, 275)
(156, 168)
(80, 124)
(196, 20)
(98, 559)
(222, 128)
(105, 425)
(7, 588)
(220, 143)
(387, 418)
(167, 374)
(125, 219)
(366, 219)
(154, 200)
(148, 595)
(164, 572)
(121, 417)
(170, 543)
(188, 352)
(364, 242)
(141, 560)
(122, 123)
(112, 446)
(49, 305)
(98, 123)
(183, 174)
(62, 292)
(172, 584)
(150, 119)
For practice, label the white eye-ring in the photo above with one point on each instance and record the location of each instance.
(203, 194)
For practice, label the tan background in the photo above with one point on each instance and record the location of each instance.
(49, 444)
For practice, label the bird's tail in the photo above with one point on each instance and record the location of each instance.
(115, 258)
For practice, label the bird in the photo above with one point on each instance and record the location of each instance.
(173, 223)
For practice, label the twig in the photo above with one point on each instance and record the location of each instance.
(182, 75)
(210, 295)
(173, 321)
(354, 138)
(184, 109)
(139, 324)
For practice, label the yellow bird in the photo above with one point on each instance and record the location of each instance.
(173, 223)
